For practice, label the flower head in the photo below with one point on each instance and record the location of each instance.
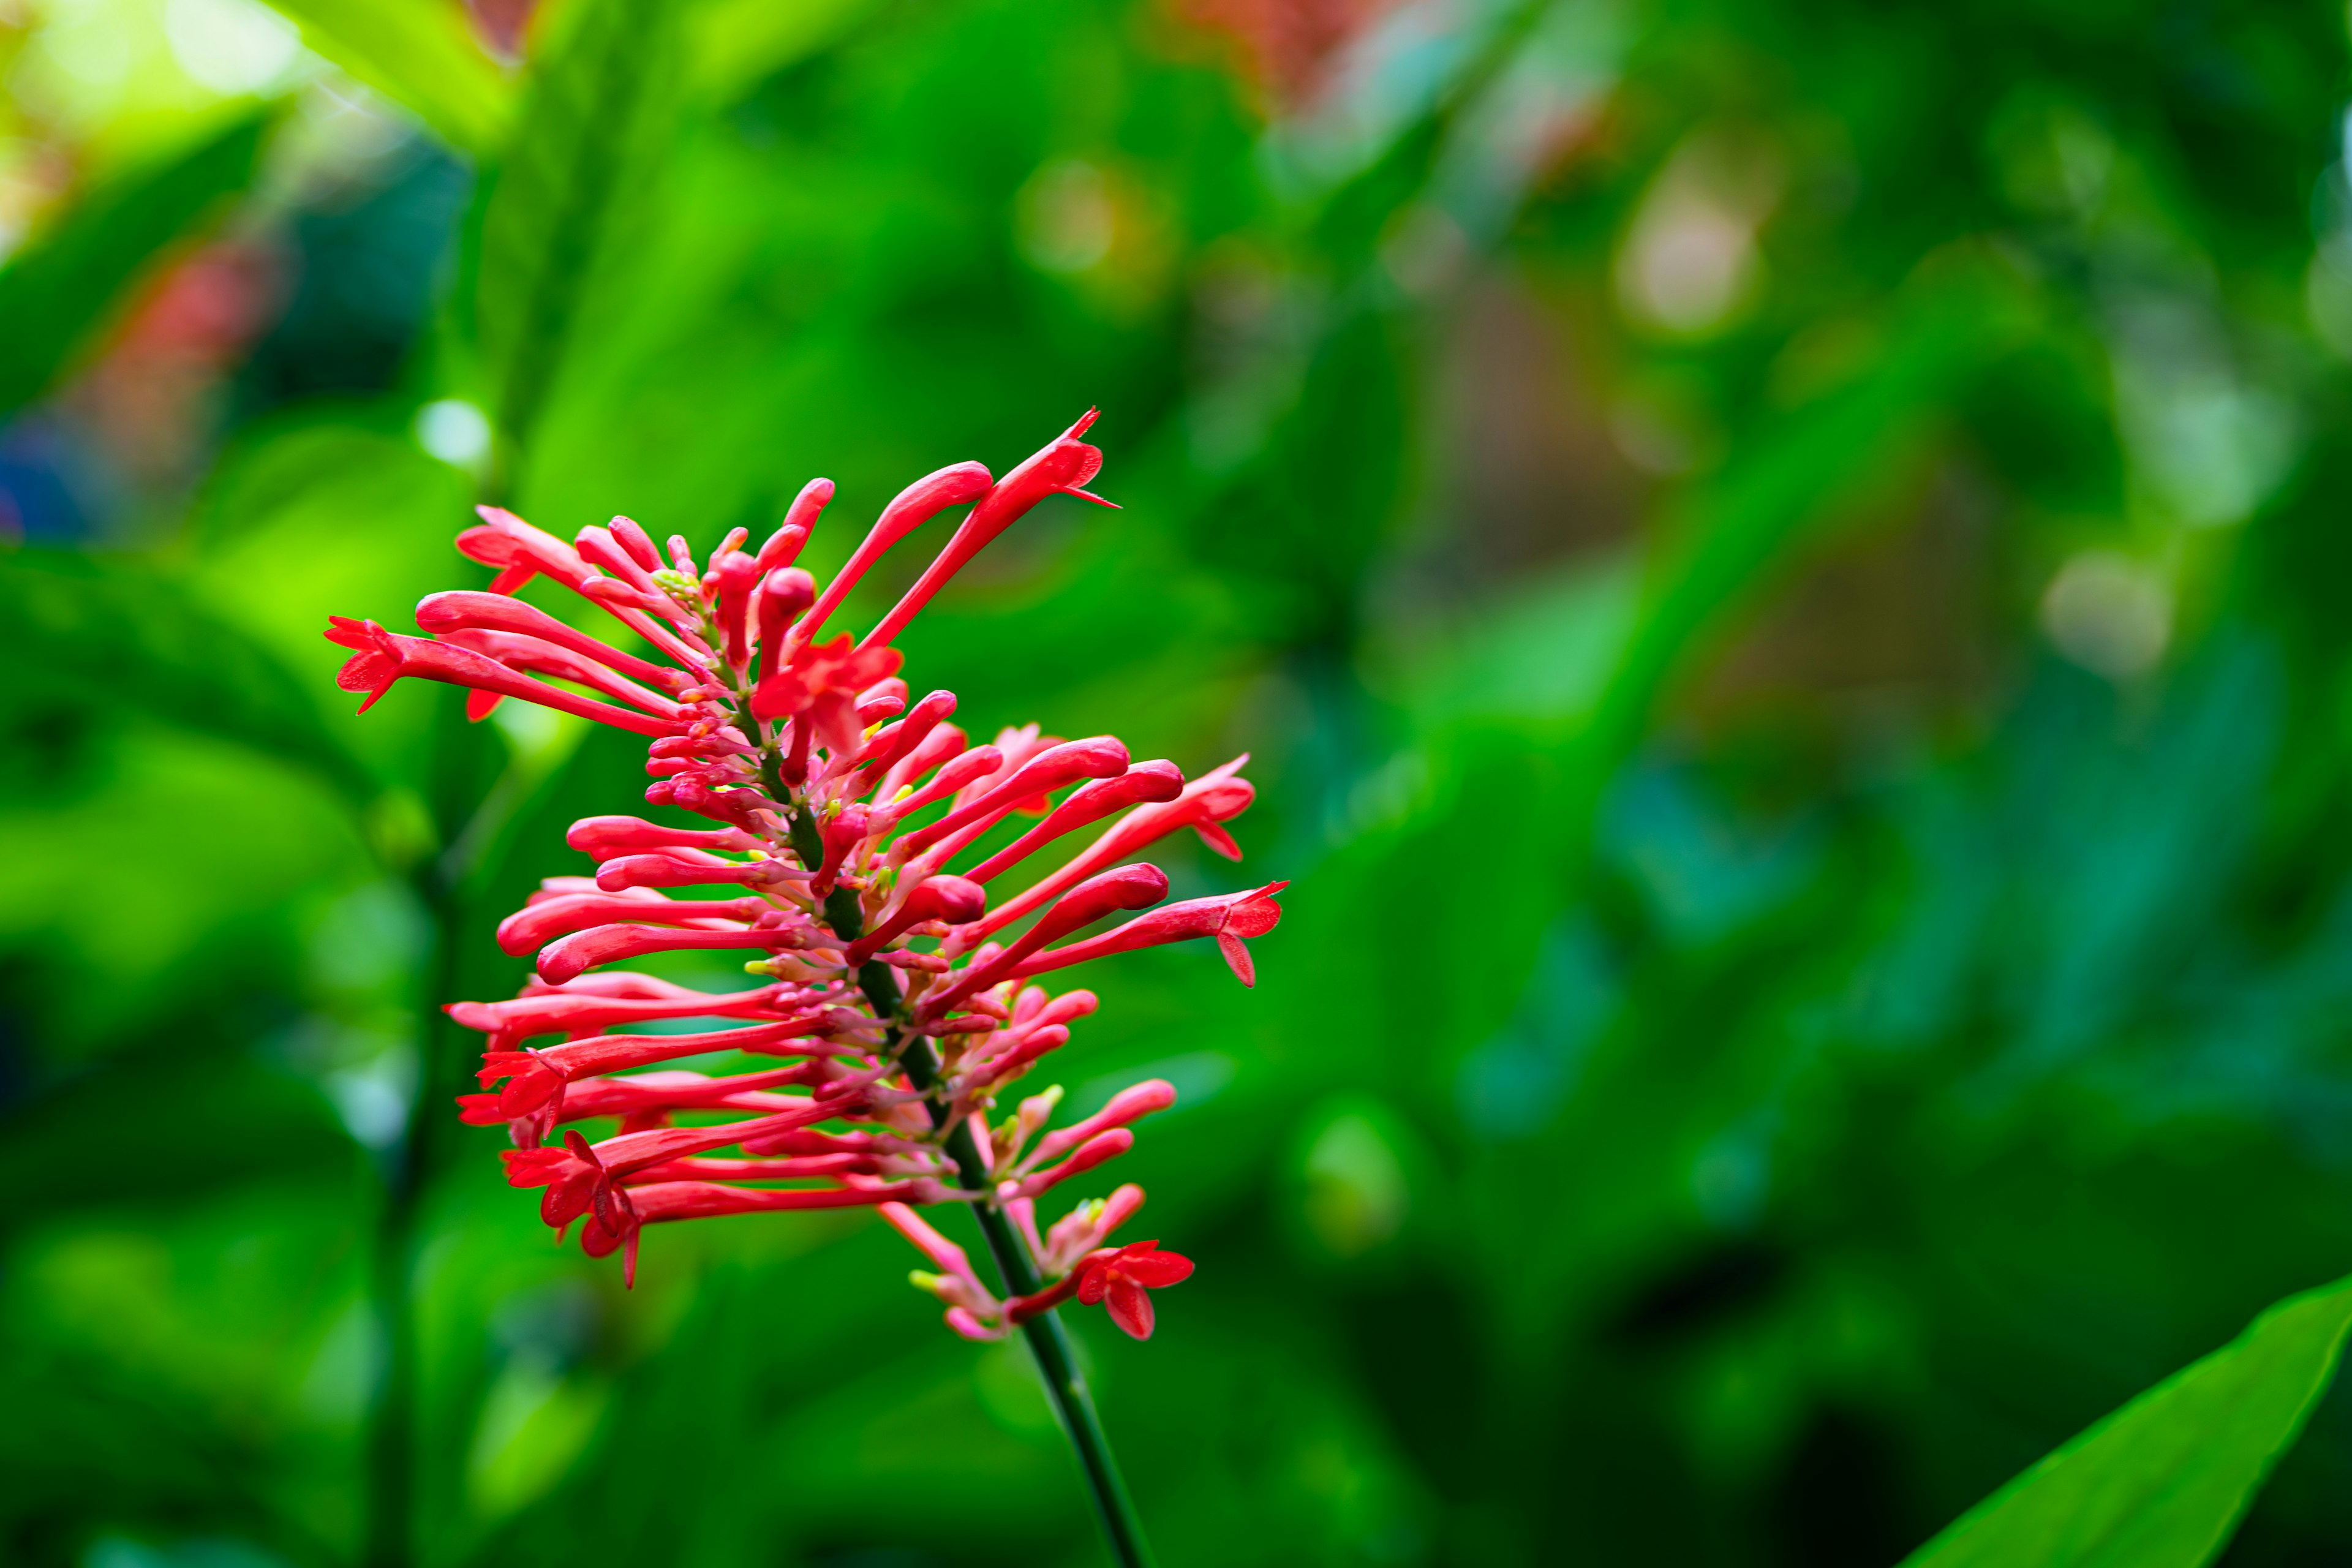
(846, 840)
(1122, 1281)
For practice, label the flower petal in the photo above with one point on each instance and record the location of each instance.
(1157, 1270)
(1131, 1306)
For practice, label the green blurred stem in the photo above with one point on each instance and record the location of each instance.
(391, 1437)
(1049, 1342)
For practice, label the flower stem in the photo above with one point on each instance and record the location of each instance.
(1049, 1342)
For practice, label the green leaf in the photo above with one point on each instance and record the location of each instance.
(419, 53)
(734, 43)
(57, 294)
(2162, 1483)
(114, 635)
(600, 99)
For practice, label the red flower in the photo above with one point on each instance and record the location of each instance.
(1122, 1281)
(839, 812)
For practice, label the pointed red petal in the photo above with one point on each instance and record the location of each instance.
(1131, 1307)
(1092, 1283)
(1158, 1270)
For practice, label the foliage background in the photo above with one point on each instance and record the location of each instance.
(1781, 566)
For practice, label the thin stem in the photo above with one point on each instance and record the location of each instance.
(1049, 1342)
(389, 1531)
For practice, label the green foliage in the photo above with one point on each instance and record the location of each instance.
(57, 294)
(571, 177)
(88, 637)
(1782, 1015)
(419, 54)
(2163, 1481)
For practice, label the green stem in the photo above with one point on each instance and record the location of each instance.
(389, 1531)
(1049, 1342)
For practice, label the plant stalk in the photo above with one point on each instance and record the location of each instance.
(1049, 1342)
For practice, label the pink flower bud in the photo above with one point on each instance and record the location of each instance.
(895, 740)
(690, 868)
(783, 546)
(602, 548)
(567, 957)
(737, 575)
(950, 898)
(637, 542)
(784, 595)
(1103, 1146)
(1129, 1105)
(507, 542)
(945, 1255)
(966, 768)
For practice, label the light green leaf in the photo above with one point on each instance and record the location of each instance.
(114, 635)
(420, 54)
(2162, 1483)
(600, 105)
(733, 43)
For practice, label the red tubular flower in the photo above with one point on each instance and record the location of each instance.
(688, 867)
(1062, 469)
(909, 511)
(1228, 918)
(1128, 1105)
(831, 811)
(577, 1009)
(1202, 805)
(1051, 769)
(541, 921)
(459, 610)
(1089, 804)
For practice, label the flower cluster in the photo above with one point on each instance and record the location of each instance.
(895, 1003)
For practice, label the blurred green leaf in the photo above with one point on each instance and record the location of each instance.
(2162, 1483)
(734, 43)
(421, 54)
(599, 94)
(57, 295)
(111, 636)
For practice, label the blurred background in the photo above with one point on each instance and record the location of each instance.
(1781, 566)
